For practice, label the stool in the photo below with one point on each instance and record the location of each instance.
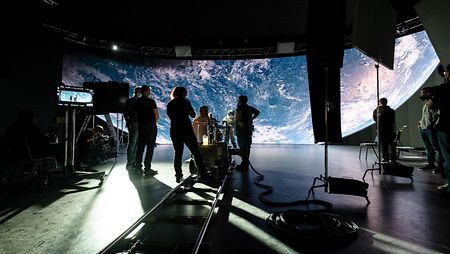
(368, 146)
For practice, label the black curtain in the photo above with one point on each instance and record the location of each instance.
(109, 97)
(325, 50)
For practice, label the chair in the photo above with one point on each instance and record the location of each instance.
(398, 144)
(368, 146)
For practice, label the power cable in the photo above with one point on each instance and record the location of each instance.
(269, 190)
(311, 225)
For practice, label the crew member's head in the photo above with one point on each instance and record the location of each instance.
(178, 92)
(98, 129)
(137, 91)
(242, 99)
(425, 93)
(145, 91)
(204, 110)
(383, 102)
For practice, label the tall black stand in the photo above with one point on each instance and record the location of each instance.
(332, 184)
(69, 149)
(374, 168)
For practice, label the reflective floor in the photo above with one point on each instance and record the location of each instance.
(80, 217)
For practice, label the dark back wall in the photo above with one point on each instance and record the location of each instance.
(30, 69)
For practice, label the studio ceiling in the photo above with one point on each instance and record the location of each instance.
(202, 24)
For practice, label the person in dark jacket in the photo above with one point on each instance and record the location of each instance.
(441, 100)
(180, 110)
(386, 129)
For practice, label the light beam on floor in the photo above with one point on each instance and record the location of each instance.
(390, 244)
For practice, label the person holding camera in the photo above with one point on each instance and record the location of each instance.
(427, 128)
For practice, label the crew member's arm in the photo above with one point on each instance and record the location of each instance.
(155, 111)
(191, 110)
(255, 113)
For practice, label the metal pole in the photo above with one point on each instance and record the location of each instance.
(66, 139)
(377, 67)
(117, 133)
(327, 109)
(72, 152)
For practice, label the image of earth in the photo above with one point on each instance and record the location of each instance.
(278, 87)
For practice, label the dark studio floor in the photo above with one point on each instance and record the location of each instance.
(402, 217)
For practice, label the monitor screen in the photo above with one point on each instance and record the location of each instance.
(74, 97)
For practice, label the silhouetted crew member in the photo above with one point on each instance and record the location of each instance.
(428, 133)
(441, 100)
(147, 116)
(386, 135)
(179, 109)
(244, 129)
(24, 140)
(130, 116)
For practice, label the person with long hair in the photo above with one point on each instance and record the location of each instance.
(180, 110)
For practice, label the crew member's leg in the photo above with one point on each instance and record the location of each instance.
(191, 143)
(142, 137)
(444, 145)
(150, 143)
(426, 136)
(438, 155)
(132, 144)
(178, 147)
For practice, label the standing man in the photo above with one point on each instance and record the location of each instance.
(179, 109)
(130, 116)
(147, 116)
(440, 100)
(244, 129)
(427, 128)
(386, 135)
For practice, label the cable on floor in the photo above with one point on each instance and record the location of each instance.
(269, 190)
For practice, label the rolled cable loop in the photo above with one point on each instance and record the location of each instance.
(314, 226)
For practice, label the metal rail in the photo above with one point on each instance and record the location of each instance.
(141, 241)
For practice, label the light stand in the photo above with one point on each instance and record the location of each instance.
(388, 168)
(69, 149)
(333, 184)
(377, 67)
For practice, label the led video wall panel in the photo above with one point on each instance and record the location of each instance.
(278, 87)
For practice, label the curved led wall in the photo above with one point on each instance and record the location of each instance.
(278, 87)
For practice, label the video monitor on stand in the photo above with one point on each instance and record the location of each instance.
(71, 96)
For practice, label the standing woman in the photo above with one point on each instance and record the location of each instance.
(179, 109)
